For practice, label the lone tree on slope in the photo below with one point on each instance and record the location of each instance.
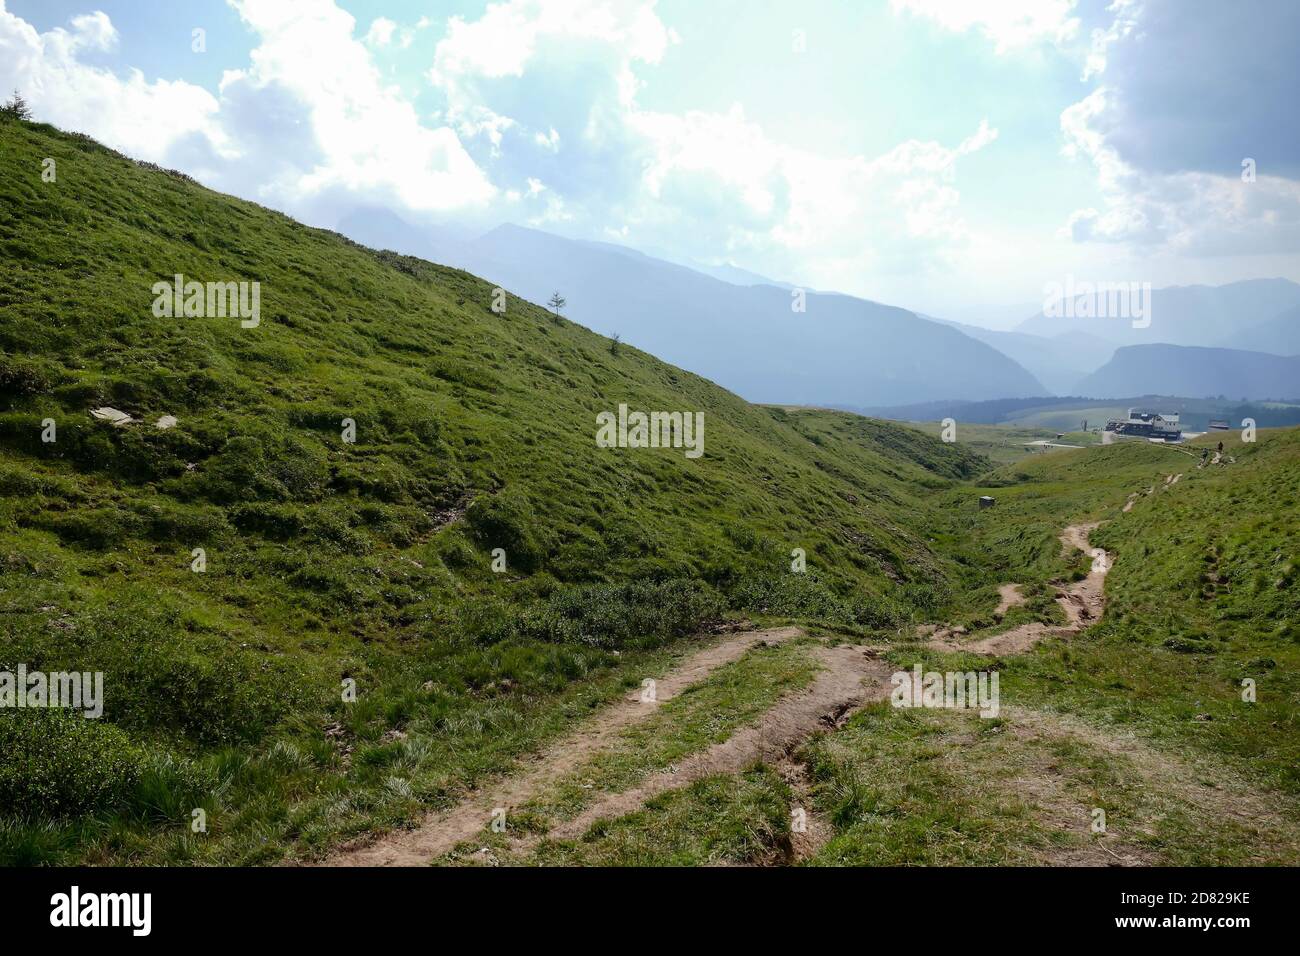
(16, 108)
(557, 302)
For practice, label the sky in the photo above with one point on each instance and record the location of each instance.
(952, 157)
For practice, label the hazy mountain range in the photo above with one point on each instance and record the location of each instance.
(739, 329)
(1225, 316)
(1195, 371)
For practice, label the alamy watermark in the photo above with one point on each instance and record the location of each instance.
(954, 690)
(74, 690)
(651, 430)
(208, 300)
(1098, 300)
(75, 908)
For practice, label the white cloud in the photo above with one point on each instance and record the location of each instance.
(507, 36)
(369, 136)
(1189, 212)
(704, 183)
(310, 125)
(1010, 24)
(1159, 200)
(381, 32)
(142, 118)
(1125, 22)
(309, 118)
(93, 31)
(549, 140)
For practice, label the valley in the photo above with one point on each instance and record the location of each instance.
(429, 593)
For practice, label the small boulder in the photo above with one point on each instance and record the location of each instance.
(114, 416)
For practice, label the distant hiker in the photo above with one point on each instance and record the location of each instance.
(1220, 448)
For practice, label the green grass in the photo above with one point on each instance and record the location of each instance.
(1003, 444)
(734, 819)
(944, 788)
(370, 561)
(330, 561)
(700, 716)
(1201, 596)
(705, 714)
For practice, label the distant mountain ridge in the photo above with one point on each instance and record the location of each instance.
(1197, 372)
(737, 327)
(746, 337)
(1060, 361)
(1279, 335)
(1220, 316)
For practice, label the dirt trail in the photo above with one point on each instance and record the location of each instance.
(441, 831)
(1083, 603)
(853, 676)
(816, 831)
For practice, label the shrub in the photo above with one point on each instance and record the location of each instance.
(266, 467)
(614, 616)
(98, 528)
(59, 763)
(808, 597)
(167, 788)
(20, 378)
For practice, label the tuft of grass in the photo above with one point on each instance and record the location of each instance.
(726, 819)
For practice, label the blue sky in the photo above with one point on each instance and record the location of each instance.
(947, 156)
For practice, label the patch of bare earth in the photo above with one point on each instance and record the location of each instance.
(810, 831)
(441, 831)
(851, 677)
(1009, 596)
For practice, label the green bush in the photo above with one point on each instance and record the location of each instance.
(266, 467)
(100, 528)
(605, 616)
(614, 616)
(807, 596)
(20, 378)
(59, 763)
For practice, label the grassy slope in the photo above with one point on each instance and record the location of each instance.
(369, 561)
(1006, 444)
(1202, 595)
(1141, 716)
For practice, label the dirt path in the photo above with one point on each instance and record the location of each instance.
(816, 830)
(853, 676)
(1083, 603)
(441, 831)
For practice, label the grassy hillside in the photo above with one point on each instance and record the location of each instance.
(1142, 715)
(329, 561)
